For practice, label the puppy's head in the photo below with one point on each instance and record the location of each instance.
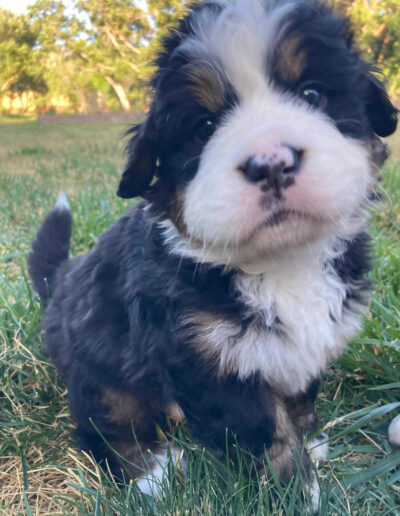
(260, 128)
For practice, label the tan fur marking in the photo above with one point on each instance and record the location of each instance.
(176, 216)
(301, 410)
(123, 407)
(135, 431)
(379, 153)
(176, 212)
(203, 319)
(206, 86)
(291, 61)
(286, 442)
(202, 322)
(174, 412)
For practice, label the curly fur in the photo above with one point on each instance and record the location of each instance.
(219, 296)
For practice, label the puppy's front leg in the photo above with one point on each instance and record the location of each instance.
(120, 429)
(224, 412)
(301, 409)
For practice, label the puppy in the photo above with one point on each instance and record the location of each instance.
(225, 294)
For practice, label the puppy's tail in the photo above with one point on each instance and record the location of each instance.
(50, 248)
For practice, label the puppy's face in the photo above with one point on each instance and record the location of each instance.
(260, 128)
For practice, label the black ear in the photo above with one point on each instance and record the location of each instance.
(381, 112)
(142, 161)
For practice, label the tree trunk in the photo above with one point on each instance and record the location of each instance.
(7, 83)
(82, 98)
(382, 48)
(120, 92)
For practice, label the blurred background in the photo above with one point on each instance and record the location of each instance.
(66, 56)
(94, 56)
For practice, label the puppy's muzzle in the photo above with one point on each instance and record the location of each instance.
(275, 168)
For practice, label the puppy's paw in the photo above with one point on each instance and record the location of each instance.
(314, 493)
(318, 448)
(152, 483)
(394, 431)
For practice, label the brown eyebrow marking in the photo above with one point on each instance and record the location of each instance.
(207, 86)
(290, 60)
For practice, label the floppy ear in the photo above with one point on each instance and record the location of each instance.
(381, 112)
(141, 164)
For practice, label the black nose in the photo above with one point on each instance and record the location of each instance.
(275, 169)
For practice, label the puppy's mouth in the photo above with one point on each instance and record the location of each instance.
(284, 215)
(284, 221)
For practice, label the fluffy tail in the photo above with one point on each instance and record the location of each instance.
(50, 248)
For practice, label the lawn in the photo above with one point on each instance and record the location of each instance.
(42, 472)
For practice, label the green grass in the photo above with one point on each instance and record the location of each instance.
(17, 119)
(41, 471)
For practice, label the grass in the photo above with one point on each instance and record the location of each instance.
(17, 119)
(42, 472)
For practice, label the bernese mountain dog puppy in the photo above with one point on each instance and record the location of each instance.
(223, 296)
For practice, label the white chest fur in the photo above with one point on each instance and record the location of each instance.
(307, 298)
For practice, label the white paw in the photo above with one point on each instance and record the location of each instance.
(315, 493)
(318, 448)
(394, 431)
(153, 482)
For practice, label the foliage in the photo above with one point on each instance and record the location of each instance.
(20, 63)
(96, 55)
(377, 25)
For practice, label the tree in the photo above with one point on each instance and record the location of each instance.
(377, 28)
(99, 53)
(109, 46)
(377, 24)
(163, 15)
(113, 44)
(57, 31)
(20, 68)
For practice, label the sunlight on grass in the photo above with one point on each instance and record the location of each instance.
(17, 119)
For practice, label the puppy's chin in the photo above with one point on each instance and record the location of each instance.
(283, 230)
(280, 233)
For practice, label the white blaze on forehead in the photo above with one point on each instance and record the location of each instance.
(240, 40)
(245, 42)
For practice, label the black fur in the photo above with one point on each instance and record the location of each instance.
(121, 317)
(50, 249)
(117, 319)
(137, 299)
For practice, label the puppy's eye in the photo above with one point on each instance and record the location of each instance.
(313, 94)
(204, 129)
